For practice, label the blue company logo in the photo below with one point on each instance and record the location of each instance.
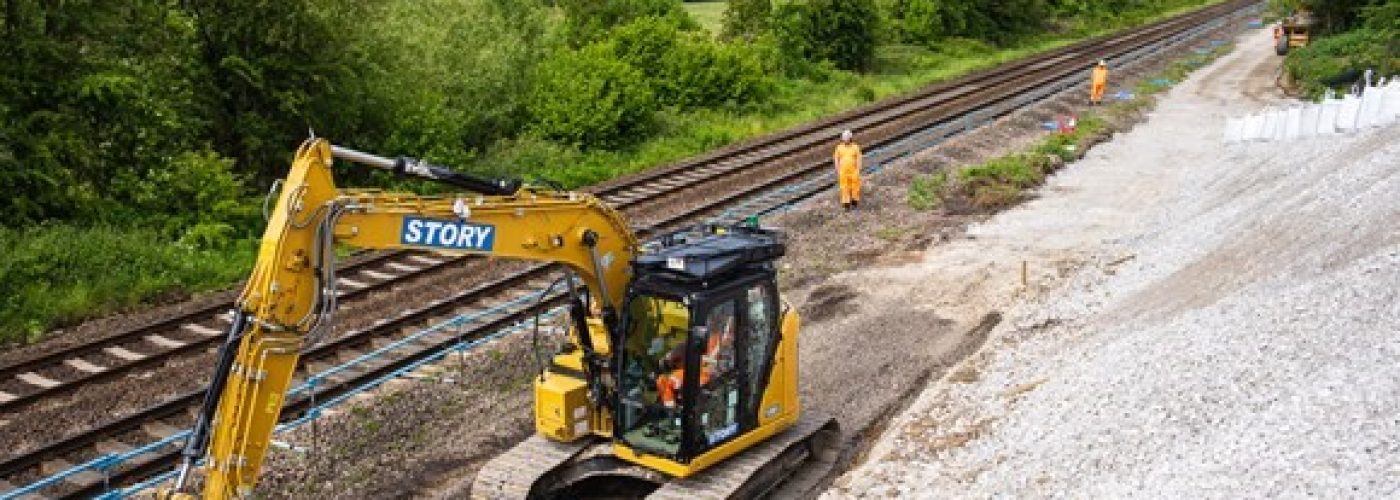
(447, 234)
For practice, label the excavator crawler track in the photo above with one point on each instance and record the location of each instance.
(539, 468)
(512, 474)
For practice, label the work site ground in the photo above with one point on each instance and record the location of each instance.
(895, 300)
(1181, 318)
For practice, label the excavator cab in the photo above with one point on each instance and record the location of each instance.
(700, 331)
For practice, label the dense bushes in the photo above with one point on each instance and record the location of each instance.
(843, 32)
(746, 18)
(1007, 22)
(445, 87)
(686, 69)
(1338, 61)
(587, 21)
(927, 21)
(588, 98)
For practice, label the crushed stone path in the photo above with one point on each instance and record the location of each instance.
(1197, 320)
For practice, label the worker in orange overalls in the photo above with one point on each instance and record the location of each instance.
(1098, 82)
(848, 164)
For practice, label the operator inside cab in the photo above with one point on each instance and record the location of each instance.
(728, 385)
(717, 358)
(657, 351)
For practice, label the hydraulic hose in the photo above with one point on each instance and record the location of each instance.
(199, 436)
(404, 165)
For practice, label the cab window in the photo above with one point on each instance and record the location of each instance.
(760, 305)
(654, 353)
(717, 404)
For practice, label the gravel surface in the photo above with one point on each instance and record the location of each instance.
(1198, 321)
(412, 436)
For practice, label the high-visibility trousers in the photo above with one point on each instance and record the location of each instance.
(850, 185)
(1096, 91)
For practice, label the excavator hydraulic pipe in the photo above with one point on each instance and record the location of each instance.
(199, 436)
(404, 165)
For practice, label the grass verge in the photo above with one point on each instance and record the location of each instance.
(1003, 181)
(60, 274)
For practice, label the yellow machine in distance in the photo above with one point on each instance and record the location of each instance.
(1294, 31)
(680, 354)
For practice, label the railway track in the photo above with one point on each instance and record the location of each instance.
(745, 171)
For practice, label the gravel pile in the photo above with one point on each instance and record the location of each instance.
(1232, 330)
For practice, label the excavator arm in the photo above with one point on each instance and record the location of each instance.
(289, 300)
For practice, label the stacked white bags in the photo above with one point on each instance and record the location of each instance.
(1376, 107)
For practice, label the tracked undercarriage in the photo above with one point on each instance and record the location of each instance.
(542, 469)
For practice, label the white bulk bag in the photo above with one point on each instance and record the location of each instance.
(1348, 113)
(1292, 123)
(1327, 116)
(1307, 121)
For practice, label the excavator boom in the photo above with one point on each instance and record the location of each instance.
(288, 302)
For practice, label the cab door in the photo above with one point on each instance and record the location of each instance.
(733, 342)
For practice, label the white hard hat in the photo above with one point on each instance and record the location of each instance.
(1103, 62)
(846, 135)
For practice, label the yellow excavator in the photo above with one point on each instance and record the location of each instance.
(678, 378)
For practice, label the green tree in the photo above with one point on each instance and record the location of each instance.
(588, 21)
(94, 96)
(1003, 22)
(746, 19)
(840, 31)
(588, 98)
(1335, 16)
(268, 73)
(441, 87)
(687, 69)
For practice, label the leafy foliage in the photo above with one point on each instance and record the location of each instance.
(927, 21)
(268, 72)
(688, 70)
(589, 99)
(86, 111)
(932, 22)
(445, 88)
(588, 21)
(746, 19)
(1336, 61)
(840, 31)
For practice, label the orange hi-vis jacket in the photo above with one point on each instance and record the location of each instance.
(1100, 75)
(847, 159)
(668, 385)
